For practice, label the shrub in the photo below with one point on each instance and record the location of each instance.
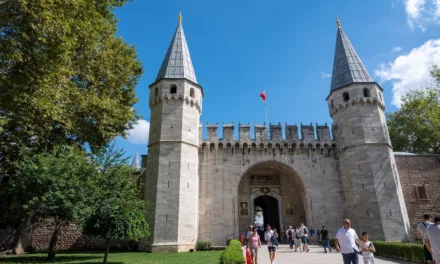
(203, 245)
(404, 251)
(233, 254)
(235, 244)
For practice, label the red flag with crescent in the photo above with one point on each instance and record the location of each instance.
(263, 95)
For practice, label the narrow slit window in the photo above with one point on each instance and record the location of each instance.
(422, 194)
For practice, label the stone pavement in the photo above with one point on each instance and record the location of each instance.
(285, 255)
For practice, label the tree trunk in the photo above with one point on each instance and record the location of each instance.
(19, 250)
(53, 242)
(106, 251)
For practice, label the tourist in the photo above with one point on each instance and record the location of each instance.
(367, 255)
(432, 239)
(270, 236)
(325, 238)
(304, 233)
(345, 243)
(297, 236)
(248, 233)
(318, 234)
(290, 237)
(421, 228)
(312, 235)
(254, 243)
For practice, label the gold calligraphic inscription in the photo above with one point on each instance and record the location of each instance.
(265, 180)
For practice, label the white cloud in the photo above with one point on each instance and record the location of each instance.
(420, 13)
(410, 71)
(139, 133)
(396, 49)
(325, 75)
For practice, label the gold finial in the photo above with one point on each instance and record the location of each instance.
(180, 17)
(338, 23)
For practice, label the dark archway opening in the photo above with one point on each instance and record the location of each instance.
(270, 212)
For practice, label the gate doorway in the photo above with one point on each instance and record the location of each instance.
(267, 207)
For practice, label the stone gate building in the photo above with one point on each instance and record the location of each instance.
(207, 189)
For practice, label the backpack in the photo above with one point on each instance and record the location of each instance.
(289, 233)
(274, 240)
(305, 231)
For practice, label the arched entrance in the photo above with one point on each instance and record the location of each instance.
(268, 210)
(276, 191)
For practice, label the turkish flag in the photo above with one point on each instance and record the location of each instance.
(263, 95)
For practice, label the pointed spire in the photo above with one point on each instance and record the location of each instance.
(177, 63)
(135, 164)
(347, 66)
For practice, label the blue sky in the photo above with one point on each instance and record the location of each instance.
(286, 47)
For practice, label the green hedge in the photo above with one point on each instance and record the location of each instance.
(203, 245)
(233, 254)
(404, 251)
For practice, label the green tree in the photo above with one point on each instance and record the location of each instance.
(65, 76)
(415, 127)
(53, 187)
(118, 211)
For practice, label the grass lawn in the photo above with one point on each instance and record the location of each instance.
(202, 257)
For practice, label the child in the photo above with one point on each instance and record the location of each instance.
(367, 255)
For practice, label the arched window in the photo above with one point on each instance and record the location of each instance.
(173, 89)
(346, 96)
(332, 104)
(366, 92)
(191, 92)
(155, 92)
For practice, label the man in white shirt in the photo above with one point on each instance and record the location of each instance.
(269, 236)
(248, 234)
(432, 239)
(345, 242)
(304, 231)
(421, 228)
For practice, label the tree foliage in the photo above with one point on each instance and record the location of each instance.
(65, 77)
(55, 187)
(415, 127)
(118, 212)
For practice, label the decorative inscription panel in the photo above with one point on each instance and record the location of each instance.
(244, 208)
(265, 180)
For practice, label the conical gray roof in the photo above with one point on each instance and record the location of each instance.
(347, 66)
(135, 164)
(177, 63)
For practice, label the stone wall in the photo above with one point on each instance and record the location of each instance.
(70, 238)
(419, 171)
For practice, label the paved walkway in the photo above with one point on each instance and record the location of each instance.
(285, 255)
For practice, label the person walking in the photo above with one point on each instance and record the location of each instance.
(270, 236)
(304, 234)
(297, 236)
(367, 256)
(312, 235)
(254, 244)
(345, 243)
(290, 237)
(248, 234)
(421, 228)
(325, 238)
(432, 239)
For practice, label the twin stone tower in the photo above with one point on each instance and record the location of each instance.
(208, 189)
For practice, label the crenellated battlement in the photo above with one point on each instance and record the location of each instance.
(263, 135)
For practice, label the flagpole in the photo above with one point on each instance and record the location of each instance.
(265, 111)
